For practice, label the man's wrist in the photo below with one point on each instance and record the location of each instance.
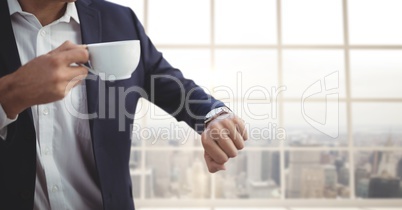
(7, 97)
(214, 113)
(5, 117)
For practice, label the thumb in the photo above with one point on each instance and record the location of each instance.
(212, 165)
(67, 45)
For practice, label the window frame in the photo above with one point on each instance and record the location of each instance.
(351, 149)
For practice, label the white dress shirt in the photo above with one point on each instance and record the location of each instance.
(65, 171)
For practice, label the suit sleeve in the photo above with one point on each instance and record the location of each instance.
(169, 89)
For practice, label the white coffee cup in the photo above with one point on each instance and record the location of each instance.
(116, 60)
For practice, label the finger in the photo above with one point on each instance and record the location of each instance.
(77, 55)
(241, 127)
(213, 149)
(67, 45)
(212, 165)
(77, 82)
(78, 79)
(238, 141)
(227, 145)
(234, 134)
(71, 83)
(76, 73)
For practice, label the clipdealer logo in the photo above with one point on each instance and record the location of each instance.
(327, 87)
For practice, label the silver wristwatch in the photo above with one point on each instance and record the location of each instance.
(214, 113)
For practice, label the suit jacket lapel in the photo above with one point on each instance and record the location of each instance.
(8, 50)
(91, 33)
(9, 55)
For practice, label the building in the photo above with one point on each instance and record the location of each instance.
(331, 176)
(343, 176)
(262, 189)
(362, 186)
(312, 182)
(302, 166)
(198, 180)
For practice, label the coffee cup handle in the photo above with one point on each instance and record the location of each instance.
(89, 68)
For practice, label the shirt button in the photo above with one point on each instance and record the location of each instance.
(43, 33)
(55, 188)
(45, 111)
(47, 150)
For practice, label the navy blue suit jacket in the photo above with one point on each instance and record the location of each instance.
(101, 21)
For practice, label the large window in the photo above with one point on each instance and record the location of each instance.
(318, 83)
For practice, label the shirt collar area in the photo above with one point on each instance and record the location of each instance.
(14, 6)
(71, 11)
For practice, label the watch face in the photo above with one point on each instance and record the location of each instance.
(210, 114)
(215, 112)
